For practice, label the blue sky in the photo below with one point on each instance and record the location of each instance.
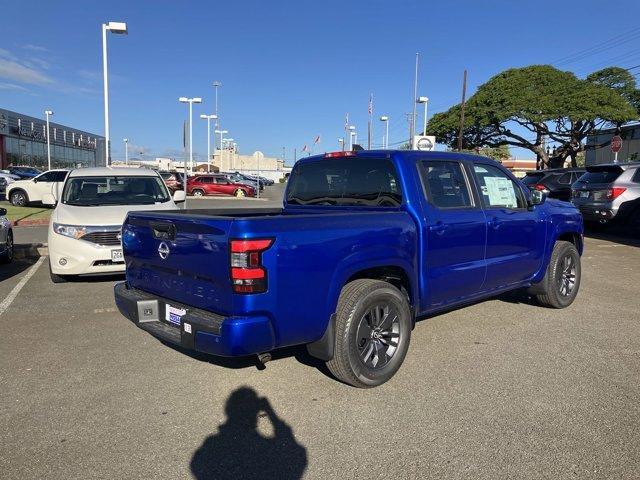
(290, 70)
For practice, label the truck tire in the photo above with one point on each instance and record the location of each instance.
(561, 282)
(372, 333)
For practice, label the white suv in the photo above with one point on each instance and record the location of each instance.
(23, 192)
(84, 231)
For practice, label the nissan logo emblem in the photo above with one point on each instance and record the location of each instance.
(163, 250)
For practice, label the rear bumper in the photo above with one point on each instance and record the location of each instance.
(197, 330)
(600, 214)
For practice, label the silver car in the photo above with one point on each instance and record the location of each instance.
(6, 238)
(609, 194)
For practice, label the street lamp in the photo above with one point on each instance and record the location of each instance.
(352, 133)
(424, 100)
(126, 151)
(48, 113)
(385, 141)
(208, 118)
(190, 101)
(119, 28)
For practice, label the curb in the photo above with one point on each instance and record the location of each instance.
(30, 250)
(30, 223)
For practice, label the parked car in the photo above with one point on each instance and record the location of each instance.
(367, 242)
(85, 228)
(6, 238)
(237, 178)
(554, 182)
(23, 192)
(173, 180)
(217, 185)
(609, 194)
(25, 172)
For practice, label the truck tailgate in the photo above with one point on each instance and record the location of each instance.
(180, 257)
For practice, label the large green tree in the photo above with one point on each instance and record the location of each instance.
(621, 80)
(527, 107)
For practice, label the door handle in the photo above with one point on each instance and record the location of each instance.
(494, 223)
(438, 228)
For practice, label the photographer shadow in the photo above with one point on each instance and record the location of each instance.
(239, 451)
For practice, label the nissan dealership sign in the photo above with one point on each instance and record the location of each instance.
(424, 143)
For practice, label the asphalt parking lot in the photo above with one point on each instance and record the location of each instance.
(500, 389)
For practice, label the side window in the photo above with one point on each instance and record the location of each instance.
(446, 184)
(636, 176)
(46, 177)
(59, 176)
(565, 179)
(497, 189)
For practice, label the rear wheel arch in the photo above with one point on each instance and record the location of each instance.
(572, 237)
(394, 275)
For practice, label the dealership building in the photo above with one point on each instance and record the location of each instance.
(23, 141)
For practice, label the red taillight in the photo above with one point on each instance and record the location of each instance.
(247, 273)
(615, 192)
(539, 187)
(339, 154)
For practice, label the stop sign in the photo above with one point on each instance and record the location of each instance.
(616, 143)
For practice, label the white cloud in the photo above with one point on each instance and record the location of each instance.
(12, 86)
(35, 48)
(18, 72)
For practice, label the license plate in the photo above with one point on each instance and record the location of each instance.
(173, 314)
(117, 256)
(584, 194)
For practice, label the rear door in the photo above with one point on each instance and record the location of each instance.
(515, 234)
(455, 231)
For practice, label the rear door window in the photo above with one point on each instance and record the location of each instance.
(445, 184)
(497, 189)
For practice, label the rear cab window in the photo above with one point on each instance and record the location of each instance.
(345, 181)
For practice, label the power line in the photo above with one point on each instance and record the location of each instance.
(599, 47)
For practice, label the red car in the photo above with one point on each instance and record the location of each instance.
(172, 180)
(217, 185)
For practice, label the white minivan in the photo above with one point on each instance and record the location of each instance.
(84, 232)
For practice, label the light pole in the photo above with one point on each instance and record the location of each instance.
(352, 132)
(190, 101)
(126, 151)
(216, 84)
(412, 133)
(208, 118)
(424, 100)
(117, 28)
(48, 113)
(385, 142)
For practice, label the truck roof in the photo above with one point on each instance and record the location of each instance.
(401, 154)
(111, 171)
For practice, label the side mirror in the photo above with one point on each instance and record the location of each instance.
(35, 179)
(537, 198)
(3, 212)
(48, 199)
(179, 196)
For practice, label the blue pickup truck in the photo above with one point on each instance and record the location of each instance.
(366, 243)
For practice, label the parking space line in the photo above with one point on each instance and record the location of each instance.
(16, 290)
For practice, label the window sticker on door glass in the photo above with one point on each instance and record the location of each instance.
(500, 192)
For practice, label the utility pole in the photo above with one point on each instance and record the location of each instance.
(464, 95)
(409, 116)
(413, 101)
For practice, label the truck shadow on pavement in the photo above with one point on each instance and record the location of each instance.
(239, 451)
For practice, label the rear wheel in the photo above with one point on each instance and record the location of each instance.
(239, 193)
(561, 281)
(7, 256)
(372, 333)
(197, 193)
(19, 199)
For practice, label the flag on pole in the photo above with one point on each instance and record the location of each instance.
(305, 149)
(317, 140)
(370, 103)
